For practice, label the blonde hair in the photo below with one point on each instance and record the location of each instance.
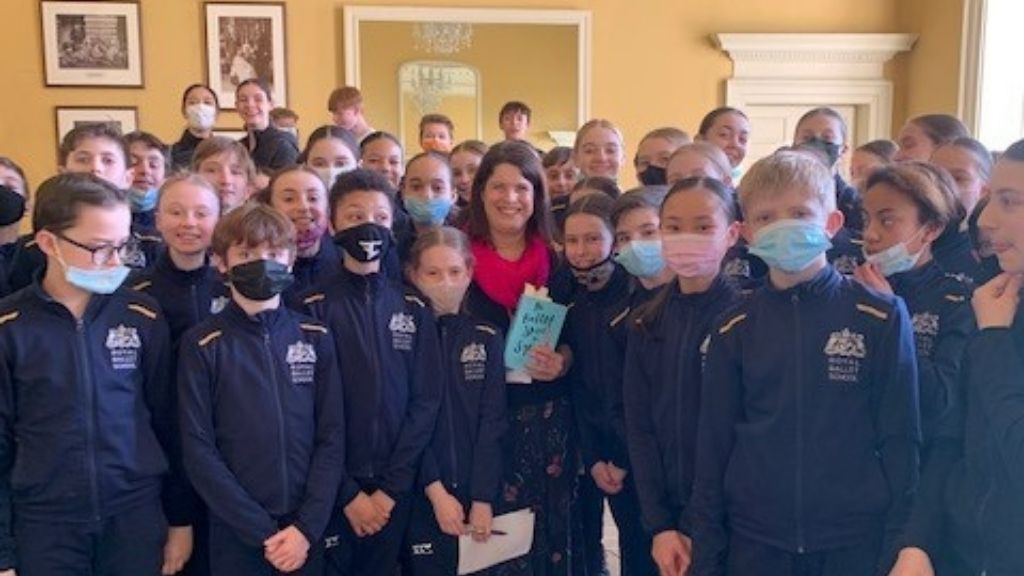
(784, 171)
(593, 124)
(708, 150)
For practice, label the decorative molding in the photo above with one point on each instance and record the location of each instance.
(812, 55)
(581, 19)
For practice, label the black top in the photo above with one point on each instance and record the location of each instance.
(273, 148)
(182, 150)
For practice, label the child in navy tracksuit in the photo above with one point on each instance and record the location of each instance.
(299, 193)
(263, 439)
(984, 507)
(667, 342)
(187, 288)
(387, 347)
(182, 280)
(599, 299)
(808, 437)
(460, 475)
(87, 420)
(907, 206)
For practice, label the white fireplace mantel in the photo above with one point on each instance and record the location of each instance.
(807, 70)
(794, 56)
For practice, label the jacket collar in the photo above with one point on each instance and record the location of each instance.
(822, 283)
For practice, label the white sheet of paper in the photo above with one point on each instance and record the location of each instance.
(517, 541)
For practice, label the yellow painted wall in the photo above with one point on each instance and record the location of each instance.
(653, 61)
(928, 78)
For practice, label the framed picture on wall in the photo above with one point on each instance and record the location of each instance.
(92, 43)
(245, 41)
(125, 118)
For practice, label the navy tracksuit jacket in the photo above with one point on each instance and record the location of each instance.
(262, 421)
(985, 493)
(386, 344)
(186, 296)
(87, 420)
(809, 431)
(943, 323)
(664, 366)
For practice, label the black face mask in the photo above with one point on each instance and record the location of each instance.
(594, 275)
(653, 176)
(830, 149)
(12, 206)
(260, 279)
(367, 242)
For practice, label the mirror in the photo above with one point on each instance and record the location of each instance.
(466, 63)
(450, 88)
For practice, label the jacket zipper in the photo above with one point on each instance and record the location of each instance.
(90, 418)
(680, 410)
(195, 304)
(799, 484)
(446, 358)
(372, 341)
(274, 381)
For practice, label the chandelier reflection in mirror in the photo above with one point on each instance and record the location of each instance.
(427, 84)
(442, 37)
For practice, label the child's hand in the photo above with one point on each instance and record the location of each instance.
(545, 364)
(603, 478)
(672, 553)
(480, 518)
(447, 509)
(868, 275)
(363, 516)
(177, 550)
(384, 504)
(286, 550)
(618, 474)
(912, 562)
(996, 303)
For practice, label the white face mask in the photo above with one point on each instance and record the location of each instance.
(201, 116)
(331, 173)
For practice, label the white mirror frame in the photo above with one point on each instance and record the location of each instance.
(355, 15)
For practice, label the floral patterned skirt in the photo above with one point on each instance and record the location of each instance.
(539, 473)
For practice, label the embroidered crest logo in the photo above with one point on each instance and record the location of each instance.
(124, 344)
(300, 352)
(846, 343)
(474, 362)
(123, 337)
(737, 268)
(925, 323)
(218, 304)
(424, 549)
(845, 264)
(402, 327)
(402, 323)
(301, 359)
(474, 353)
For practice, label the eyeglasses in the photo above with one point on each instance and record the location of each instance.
(105, 254)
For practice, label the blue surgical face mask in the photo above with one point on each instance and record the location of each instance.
(430, 212)
(790, 245)
(642, 258)
(102, 281)
(144, 200)
(896, 258)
